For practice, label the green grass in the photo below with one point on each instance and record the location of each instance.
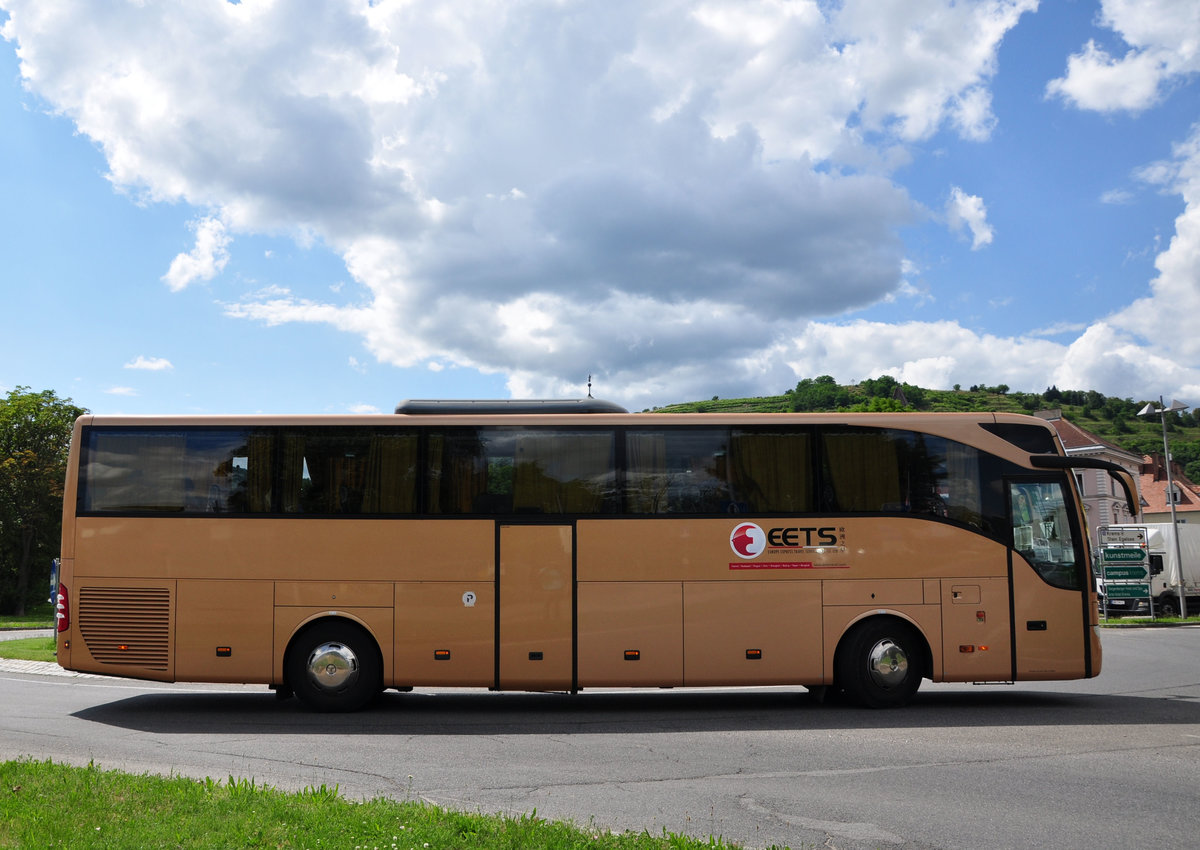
(28, 649)
(43, 804)
(38, 617)
(1130, 622)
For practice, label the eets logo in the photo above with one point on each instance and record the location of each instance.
(747, 540)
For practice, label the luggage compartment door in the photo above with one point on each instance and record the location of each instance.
(536, 648)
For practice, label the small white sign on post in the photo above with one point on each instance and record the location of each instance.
(1122, 536)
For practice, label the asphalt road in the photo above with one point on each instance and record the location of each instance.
(1108, 762)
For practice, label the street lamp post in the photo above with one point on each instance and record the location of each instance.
(1162, 411)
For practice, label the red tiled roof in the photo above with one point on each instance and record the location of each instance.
(1153, 484)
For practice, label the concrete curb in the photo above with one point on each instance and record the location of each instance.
(39, 668)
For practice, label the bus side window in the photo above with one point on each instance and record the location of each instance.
(330, 471)
(770, 471)
(863, 470)
(497, 495)
(228, 471)
(682, 471)
(176, 471)
(557, 472)
(886, 470)
(323, 472)
(502, 470)
(456, 471)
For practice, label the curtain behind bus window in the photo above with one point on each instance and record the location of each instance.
(964, 501)
(886, 470)
(456, 469)
(862, 470)
(333, 473)
(391, 475)
(505, 470)
(711, 470)
(771, 471)
(646, 473)
(348, 471)
(564, 472)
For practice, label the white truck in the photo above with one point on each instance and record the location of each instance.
(1166, 570)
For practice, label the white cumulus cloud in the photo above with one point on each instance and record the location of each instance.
(206, 259)
(680, 197)
(1159, 317)
(150, 364)
(1163, 44)
(969, 211)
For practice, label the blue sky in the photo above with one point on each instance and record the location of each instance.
(229, 208)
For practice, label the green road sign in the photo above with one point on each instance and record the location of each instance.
(1127, 591)
(1126, 571)
(1122, 556)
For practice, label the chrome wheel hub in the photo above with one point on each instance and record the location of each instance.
(332, 666)
(888, 663)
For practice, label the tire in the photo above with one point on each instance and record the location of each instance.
(1167, 606)
(880, 663)
(334, 666)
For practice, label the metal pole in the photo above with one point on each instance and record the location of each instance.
(1162, 414)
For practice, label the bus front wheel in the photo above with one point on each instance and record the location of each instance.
(880, 663)
(334, 666)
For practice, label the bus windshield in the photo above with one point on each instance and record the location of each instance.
(1042, 532)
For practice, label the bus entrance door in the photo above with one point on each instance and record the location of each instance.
(1052, 605)
(536, 650)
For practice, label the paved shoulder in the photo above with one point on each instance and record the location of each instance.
(41, 668)
(21, 634)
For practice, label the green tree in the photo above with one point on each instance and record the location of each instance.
(35, 435)
(1028, 401)
(916, 396)
(821, 393)
(1114, 409)
(882, 387)
(879, 404)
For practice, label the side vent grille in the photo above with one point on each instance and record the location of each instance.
(126, 625)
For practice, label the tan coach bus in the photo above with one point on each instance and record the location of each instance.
(560, 546)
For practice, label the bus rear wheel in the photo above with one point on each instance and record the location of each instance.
(334, 666)
(880, 663)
